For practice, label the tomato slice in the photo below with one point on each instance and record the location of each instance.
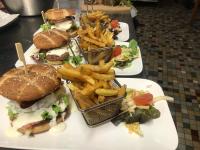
(114, 24)
(117, 51)
(144, 99)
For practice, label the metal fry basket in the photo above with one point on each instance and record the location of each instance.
(101, 113)
(94, 56)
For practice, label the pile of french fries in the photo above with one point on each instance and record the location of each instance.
(91, 84)
(93, 34)
(92, 38)
(94, 16)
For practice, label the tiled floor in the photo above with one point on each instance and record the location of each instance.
(171, 55)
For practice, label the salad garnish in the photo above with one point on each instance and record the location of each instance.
(124, 55)
(137, 108)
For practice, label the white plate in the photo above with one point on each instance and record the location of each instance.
(6, 18)
(159, 134)
(124, 35)
(135, 67)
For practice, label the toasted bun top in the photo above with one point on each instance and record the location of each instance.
(40, 81)
(58, 14)
(50, 39)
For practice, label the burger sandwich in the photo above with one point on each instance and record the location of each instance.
(50, 45)
(37, 99)
(62, 19)
(53, 48)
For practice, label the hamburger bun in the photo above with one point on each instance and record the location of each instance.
(40, 81)
(58, 15)
(50, 39)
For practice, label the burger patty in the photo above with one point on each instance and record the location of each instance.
(43, 125)
(62, 20)
(27, 104)
(57, 58)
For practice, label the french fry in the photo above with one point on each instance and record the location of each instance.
(106, 92)
(88, 90)
(101, 63)
(99, 69)
(100, 44)
(73, 74)
(72, 87)
(105, 85)
(122, 91)
(105, 77)
(79, 85)
(111, 71)
(90, 32)
(84, 101)
(94, 98)
(101, 99)
(98, 29)
(85, 71)
(69, 66)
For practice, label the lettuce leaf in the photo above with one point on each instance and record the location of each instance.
(56, 108)
(133, 44)
(12, 115)
(45, 26)
(46, 116)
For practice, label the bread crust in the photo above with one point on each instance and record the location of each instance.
(50, 39)
(40, 81)
(58, 15)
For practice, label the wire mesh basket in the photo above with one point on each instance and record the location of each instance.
(95, 55)
(101, 113)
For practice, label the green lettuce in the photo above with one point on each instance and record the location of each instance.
(46, 116)
(12, 115)
(56, 108)
(45, 26)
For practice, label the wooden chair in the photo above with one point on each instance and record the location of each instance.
(195, 10)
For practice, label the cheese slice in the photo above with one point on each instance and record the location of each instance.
(58, 52)
(66, 25)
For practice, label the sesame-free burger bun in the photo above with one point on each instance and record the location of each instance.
(50, 39)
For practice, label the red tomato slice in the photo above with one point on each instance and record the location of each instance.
(114, 24)
(144, 99)
(117, 51)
